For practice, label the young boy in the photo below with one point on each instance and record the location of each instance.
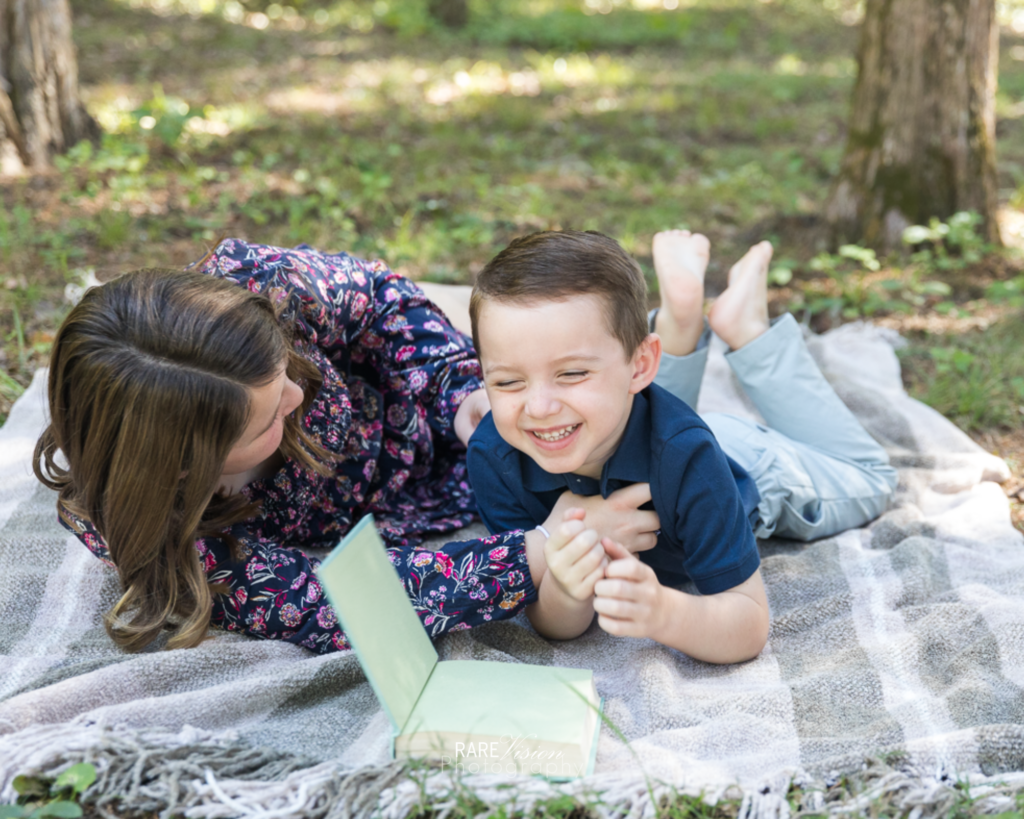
(560, 324)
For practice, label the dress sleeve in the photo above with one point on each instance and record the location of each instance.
(362, 313)
(85, 532)
(273, 591)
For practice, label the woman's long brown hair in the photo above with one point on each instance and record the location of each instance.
(148, 391)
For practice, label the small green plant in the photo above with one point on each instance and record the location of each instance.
(858, 287)
(39, 797)
(166, 117)
(1009, 292)
(10, 390)
(113, 228)
(947, 245)
(974, 379)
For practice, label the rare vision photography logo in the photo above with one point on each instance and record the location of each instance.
(509, 755)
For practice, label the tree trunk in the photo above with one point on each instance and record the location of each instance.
(40, 111)
(451, 13)
(922, 133)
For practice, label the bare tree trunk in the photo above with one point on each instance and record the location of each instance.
(922, 132)
(40, 111)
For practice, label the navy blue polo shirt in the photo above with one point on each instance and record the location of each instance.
(707, 503)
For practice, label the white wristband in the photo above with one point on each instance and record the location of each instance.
(543, 531)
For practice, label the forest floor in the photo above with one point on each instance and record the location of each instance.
(359, 125)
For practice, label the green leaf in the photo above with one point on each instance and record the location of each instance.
(962, 360)
(934, 288)
(916, 234)
(77, 777)
(14, 811)
(61, 809)
(28, 786)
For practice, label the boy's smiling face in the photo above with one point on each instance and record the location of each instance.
(560, 384)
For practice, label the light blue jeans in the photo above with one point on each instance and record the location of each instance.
(817, 469)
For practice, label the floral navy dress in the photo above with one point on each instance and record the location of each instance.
(394, 373)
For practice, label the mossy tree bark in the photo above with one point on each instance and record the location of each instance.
(40, 109)
(922, 132)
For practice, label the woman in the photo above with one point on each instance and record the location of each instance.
(216, 419)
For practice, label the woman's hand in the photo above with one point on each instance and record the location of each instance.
(470, 413)
(618, 516)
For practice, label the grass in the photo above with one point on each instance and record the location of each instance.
(875, 791)
(359, 125)
(975, 378)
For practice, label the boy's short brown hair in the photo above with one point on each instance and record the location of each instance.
(553, 265)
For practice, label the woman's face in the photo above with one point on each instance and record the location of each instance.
(271, 404)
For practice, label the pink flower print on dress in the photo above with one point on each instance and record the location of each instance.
(258, 620)
(422, 558)
(339, 642)
(313, 591)
(417, 380)
(433, 326)
(397, 481)
(326, 618)
(298, 582)
(511, 600)
(444, 564)
(357, 307)
(516, 578)
(499, 553)
(241, 595)
(396, 415)
(290, 615)
(227, 264)
(405, 353)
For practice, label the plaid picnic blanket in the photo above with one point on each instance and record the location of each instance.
(902, 641)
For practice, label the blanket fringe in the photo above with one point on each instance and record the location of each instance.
(203, 775)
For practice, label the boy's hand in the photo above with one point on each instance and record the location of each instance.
(629, 600)
(618, 516)
(575, 558)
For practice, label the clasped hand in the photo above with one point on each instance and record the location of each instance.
(627, 596)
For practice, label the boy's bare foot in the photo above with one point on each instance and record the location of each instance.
(680, 259)
(740, 314)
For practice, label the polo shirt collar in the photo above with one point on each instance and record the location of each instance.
(630, 463)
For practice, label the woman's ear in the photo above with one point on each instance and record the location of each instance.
(645, 363)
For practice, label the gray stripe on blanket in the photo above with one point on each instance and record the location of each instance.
(336, 701)
(23, 585)
(958, 655)
(829, 674)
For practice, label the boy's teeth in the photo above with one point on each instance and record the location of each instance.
(556, 436)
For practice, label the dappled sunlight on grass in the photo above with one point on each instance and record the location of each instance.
(362, 125)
